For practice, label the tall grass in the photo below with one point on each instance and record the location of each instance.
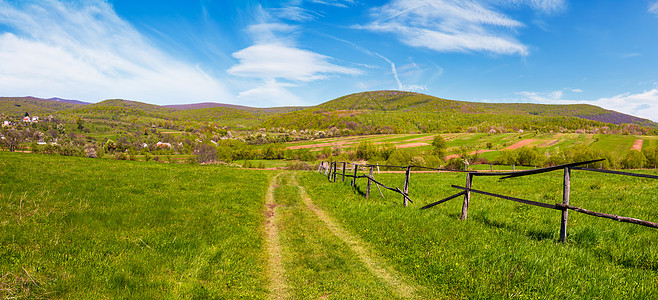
(88, 228)
(506, 249)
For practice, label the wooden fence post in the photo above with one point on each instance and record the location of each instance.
(329, 164)
(565, 201)
(344, 171)
(356, 169)
(320, 166)
(335, 166)
(406, 186)
(467, 196)
(369, 183)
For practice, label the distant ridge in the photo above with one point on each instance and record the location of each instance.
(68, 101)
(206, 105)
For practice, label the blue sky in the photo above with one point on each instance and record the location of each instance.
(305, 52)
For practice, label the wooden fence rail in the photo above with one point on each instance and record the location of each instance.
(564, 207)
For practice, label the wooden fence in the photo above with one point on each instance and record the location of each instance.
(330, 170)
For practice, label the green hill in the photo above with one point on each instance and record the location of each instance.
(360, 113)
(14, 106)
(396, 111)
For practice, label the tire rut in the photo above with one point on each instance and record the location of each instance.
(372, 263)
(276, 271)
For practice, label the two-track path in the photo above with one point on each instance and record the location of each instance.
(308, 220)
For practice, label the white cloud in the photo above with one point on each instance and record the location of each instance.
(85, 51)
(278, 63)
(454, 25)
(271, 93)
(643, 105)
(653, 7)
(271, 61)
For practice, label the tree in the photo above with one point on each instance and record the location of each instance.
(206, 153)
(110, 146)
(440, 145)
(12, 138)
(80, 123)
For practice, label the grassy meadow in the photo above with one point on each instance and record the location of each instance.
(94, 228)
(506, 249)
(90, 228)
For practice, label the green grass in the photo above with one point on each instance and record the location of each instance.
(91, 228)
(317, 263)
(505, 249)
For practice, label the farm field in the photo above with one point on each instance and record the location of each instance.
(91, 228)
(617, 144)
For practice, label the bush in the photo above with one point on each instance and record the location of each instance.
(456, 163)
(634, 160)
(298, 165)
(365, 150)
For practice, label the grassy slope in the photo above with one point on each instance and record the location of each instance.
(506, 249)
(88, 228)
(410, 111)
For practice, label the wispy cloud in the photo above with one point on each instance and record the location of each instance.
(644, 104)
(278, 62)
(83, 50)
(454, 25)
(271, 61)
(653, 7)
(338, 3)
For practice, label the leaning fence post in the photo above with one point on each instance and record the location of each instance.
(467, 196)
(320, 166)
(344, 171)
(565, 201)
(406, 186)
(369, 183)
(356, 168)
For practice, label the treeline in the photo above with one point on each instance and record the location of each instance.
(387, 122)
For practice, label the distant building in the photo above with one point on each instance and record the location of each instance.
(6, 123)
(27, 119)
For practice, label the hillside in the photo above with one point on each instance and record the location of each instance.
(360, 113)
(13, 106)
(396, 111)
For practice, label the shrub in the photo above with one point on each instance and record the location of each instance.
(298, 165)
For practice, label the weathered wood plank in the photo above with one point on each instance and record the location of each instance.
(467, 196)
(565, 201)
(406, 186)
(535, 171)
(609, 216)
(369, 184)
(618, 173)
(545, 205)
(443, 200)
